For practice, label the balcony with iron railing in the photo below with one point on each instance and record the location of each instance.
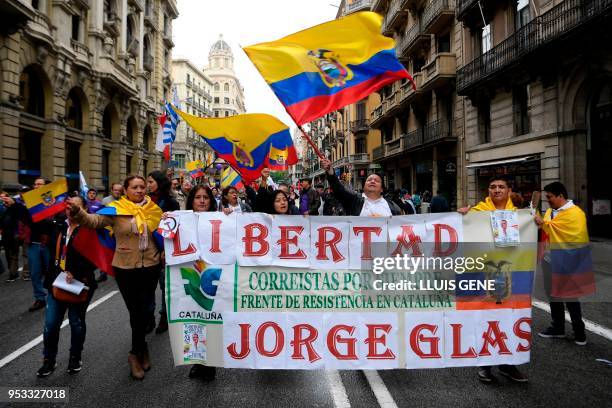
(438, 15)
(360, 125)
(395, 17)
(553, 26)
(408, 92)
(413, 40)
(357, 5)
(357, 158)
(436, 131)
(439, 71)
(423, 137)
(375, 115)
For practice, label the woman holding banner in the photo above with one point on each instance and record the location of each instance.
(201, 199)
(136, 262)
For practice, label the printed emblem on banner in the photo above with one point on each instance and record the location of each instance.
(332, 72)
(194, 343)
(47, 199)
(168, 226)
(500, 273)
(201, 284)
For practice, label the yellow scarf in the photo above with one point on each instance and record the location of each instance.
(487, 205)
(148, 214)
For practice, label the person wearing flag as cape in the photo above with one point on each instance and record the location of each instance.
(136, 262)
(567, 265)
(498, 199)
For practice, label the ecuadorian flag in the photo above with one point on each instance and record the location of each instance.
(229, 177)
(46, 201)
(328, 66)
(245, 141)
(567, 241)
(98, 246)
(195, 168)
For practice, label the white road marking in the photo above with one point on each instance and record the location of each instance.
(589, 325)
(383, 396)
(337, 389)
(23, 349)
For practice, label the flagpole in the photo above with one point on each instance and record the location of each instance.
(312, 144)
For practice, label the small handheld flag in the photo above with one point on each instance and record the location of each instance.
(195, 169)
(46, 201)
(229, 177)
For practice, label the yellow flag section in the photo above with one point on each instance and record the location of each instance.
(245, 140)
(328, 66)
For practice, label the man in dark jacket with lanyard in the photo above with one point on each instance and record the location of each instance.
(369, 204)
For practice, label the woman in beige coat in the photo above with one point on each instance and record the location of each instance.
(136, 262)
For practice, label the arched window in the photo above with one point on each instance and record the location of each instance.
(31, 92)
(226, 87)
(216, 86)
(74, 112)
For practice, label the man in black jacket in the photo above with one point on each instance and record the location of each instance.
(369, 204)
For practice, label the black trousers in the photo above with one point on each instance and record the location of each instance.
(137, 287)
(557, 306)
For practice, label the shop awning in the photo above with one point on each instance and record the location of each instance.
(497, 162)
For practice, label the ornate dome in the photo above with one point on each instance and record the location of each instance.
(220, 47)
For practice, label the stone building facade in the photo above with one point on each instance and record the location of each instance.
(82, 85)
(537, 87)
(193, 89)
(421, 128)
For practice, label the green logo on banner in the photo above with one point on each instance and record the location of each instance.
(201, 284)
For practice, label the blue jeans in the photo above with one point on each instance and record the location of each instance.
(54, 314)
(38, 260)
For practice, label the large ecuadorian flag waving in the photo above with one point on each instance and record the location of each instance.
(246, 141)
(326, 67)
(46, 201)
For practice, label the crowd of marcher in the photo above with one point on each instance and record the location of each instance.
(138, 260)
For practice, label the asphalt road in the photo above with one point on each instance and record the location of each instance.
(561, 373)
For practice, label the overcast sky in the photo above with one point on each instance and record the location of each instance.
(242, 23)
